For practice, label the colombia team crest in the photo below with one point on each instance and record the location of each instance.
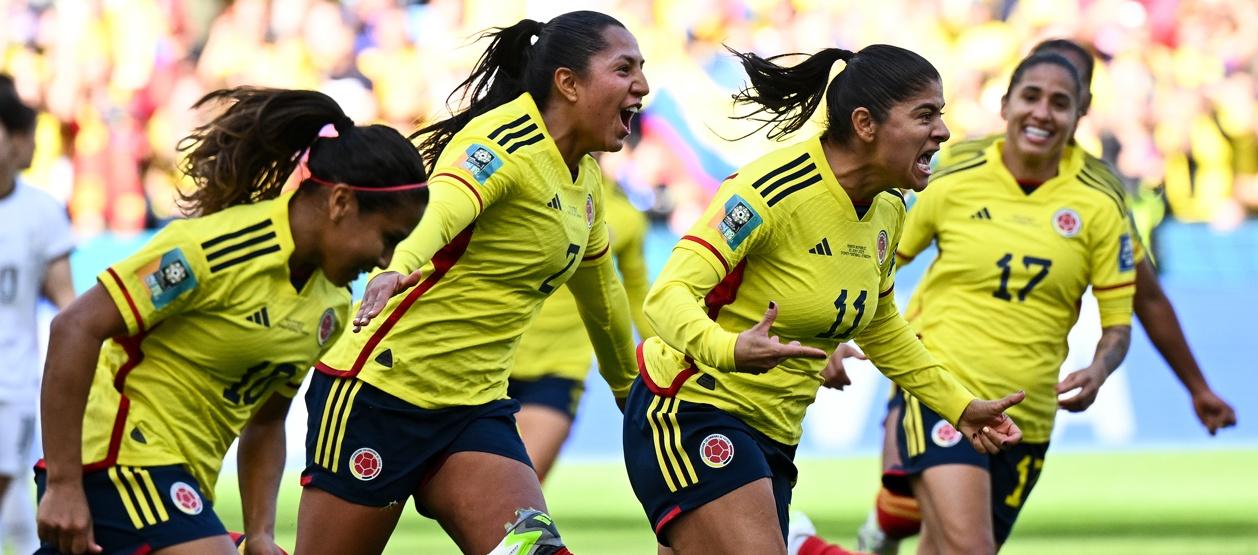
(883, 245)
(365, 464)
(327, 326)
(186, 498)
(1067, 222)
(589, 210)
(944, 435)
(716, 450)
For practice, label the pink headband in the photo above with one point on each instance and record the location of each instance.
(329, 132)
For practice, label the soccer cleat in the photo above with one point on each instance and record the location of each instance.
(532, 533)
(799, 529)
(872, 539)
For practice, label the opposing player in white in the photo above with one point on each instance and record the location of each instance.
(35, 245)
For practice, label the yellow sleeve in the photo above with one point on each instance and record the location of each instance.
(631, 260)
(893, 347)
(919, 226)
(732, 226)
(1113, 268)
(605, 312)
(164, 278)
(470, 175)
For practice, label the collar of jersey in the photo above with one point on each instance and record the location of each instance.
(1067, 170)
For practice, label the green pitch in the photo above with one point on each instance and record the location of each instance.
(1127, 503)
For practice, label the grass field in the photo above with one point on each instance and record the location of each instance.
(1127, 503)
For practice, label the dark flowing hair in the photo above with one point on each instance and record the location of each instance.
(876, 78)
(1050, 59)
(1085, 73)
(15, 116)
(515, 63)
(247, 152)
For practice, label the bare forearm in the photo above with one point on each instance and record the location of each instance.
(1161, 324)
(68, 371)
(261, 462)
(1112, 348)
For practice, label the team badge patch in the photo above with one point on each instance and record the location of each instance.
(737, 222)
(883, 245)
(1126, 254)
(186, 498)
(171, 278)
(327, 326)
(717, 450)
(481, 162)
(944, 435)
(1067, 222)
(589, 210)
(365, 464)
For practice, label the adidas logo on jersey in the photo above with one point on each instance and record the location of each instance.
(822, 248)
(982, 214)
(554, 203)
(260, 318)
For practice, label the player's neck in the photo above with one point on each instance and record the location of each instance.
(8, 184)
(1029, 168)
(302, 223)
(565, 136)
(860, 179)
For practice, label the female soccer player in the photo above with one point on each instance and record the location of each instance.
(1023, 228)
(807, 231)
(548, 377)
(896, 517)
(416, 405)
(205, 333)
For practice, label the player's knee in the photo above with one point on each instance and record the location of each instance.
(964, 540)
(898, 515)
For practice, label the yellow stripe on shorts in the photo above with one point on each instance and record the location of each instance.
(149, 486)
(681, 453)
(125, 495)
(141, 498)
(666, 437)
(323, 456)
(340, 434)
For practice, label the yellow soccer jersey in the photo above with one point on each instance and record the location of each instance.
(214, 328)
(1099, 174)
(450, 341)
(783, 230)
(997, 303)
(556, 343)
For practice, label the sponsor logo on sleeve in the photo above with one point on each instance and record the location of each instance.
(1067, 222)
(738, 221)
(1126, 254)
(481, 162)
(172, 277)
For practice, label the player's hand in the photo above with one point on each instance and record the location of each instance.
(65, 521)
(834, 375)
(379, 290)
(1088, 381)
(756, 352)
(261, 544)
(987, 426)
(1212, 411)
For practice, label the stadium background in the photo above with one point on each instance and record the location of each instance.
(1176, 111)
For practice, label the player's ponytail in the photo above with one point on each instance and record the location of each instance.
(248, 151)
(875, 78)
(520, 58)
(786, 96)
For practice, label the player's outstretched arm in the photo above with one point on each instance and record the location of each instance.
(1161, 324)
(73, 347)
(58, 285)
(987, 426)
(604, 311)
(261, 462)
(1110, 351)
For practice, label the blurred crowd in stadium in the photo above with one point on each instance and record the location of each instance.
(1175, 110)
